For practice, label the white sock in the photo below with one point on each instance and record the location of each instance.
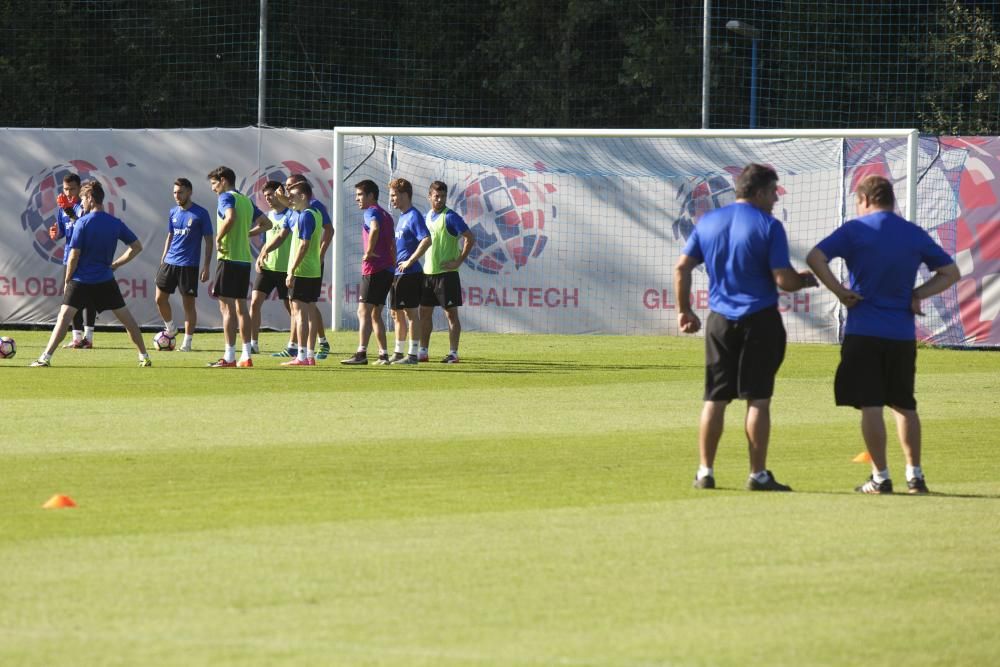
(246, 352)
(187, 340)
(704, 472)
(880, 475)
(914, 472)
(310, 354)
(363, 348)
(761, 477)
(424, 351)
(414, 346)
(170, 328)
(143, 355)
(253, 344)
(382, 352)
(301, 354)
(292, 345)
(88, 333)
(77, 334)
(454, 352)
(230, 353)
(322, 341)
(45, 357)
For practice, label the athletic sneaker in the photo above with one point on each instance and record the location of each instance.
(324, 347)
(706, 482)
(450, 359)
(383, 360)
(917, 485)
(408, 360)
(423, 357)
(40, 363)
(254, 348)
(82, 344)
(222, 363)
(321, 355)
(299, 362)
(875, 488)
(396, 356)
(357, 359)
(287, 352)
(770, 485)
(71, 345)
(245, 363)
(145, 363)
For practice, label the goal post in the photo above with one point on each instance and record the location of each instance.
(576, 229)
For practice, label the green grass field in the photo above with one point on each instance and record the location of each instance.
(530, 506)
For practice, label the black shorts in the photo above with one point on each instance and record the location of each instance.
(268, 281)
(743, 356)
(442, 289)
(306, 290)
(874, 372)
(171, 276)
(232, 280)
(99, 296)
(406, 291)
(375, 287)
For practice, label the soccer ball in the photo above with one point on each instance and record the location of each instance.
(8, 348)
(163, 341)
(507, 215)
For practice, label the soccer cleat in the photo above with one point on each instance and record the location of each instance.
(770, 485)
(917, 486)
(706, 482)
(222, 363)
(298, 362)
(245, 363)
(72, 344)
(396, 356)
(875, 488)
(321, 355)
(324, 347)
(145, 362)
(450, 359)
(423, 357)
(408, 360)
(183, 348)
(357, 359)
(287, 352)
(383, 360)
(40, 363)
(254, 348)
(82, 344)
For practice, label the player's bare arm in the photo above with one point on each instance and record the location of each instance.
(206, 261)
(421, 249)
(260, 225)
(820, 264)
(370, 253)
(943, 278)
(130, 253)
(468, 243)
(791, 280)
(227, 224)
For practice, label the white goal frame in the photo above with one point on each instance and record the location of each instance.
(912, 137)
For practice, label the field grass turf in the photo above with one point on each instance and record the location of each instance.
(529, 506)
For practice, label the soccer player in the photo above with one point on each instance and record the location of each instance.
(67, 213)
(324, 345)
(442, 285)
(878, 357)
(304, 278)
(412, 241)
(237, 220)
(189, 229)
(378, 240)
(745, 251)
(272, 272)
(90, 278)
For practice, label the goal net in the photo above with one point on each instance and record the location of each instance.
(578, 231)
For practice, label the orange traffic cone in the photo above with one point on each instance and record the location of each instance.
(863, 457)
(58, 502)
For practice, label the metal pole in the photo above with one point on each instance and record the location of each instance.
(337, 213)
(262, 64)
(753, 84)
(706, 62)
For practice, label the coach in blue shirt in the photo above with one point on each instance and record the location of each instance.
(745, 252)
(878, 358)
(90, 277)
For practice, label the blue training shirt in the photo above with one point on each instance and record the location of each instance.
(410, 231)
(96, 236)
(65, 226)
(188, 227)
(741, 246)
(883, 253)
